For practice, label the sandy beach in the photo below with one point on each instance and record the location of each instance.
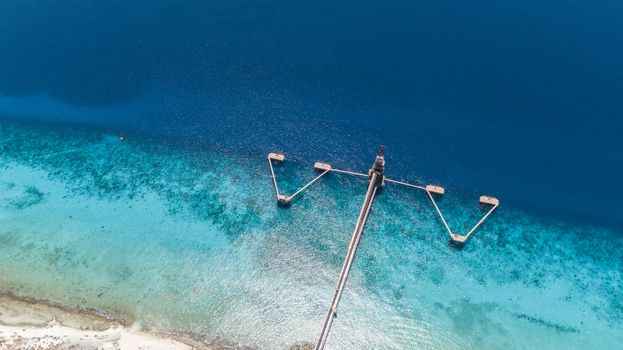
(30, 324)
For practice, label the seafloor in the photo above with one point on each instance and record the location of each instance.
(189, 238)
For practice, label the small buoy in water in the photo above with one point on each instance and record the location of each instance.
(121, 138)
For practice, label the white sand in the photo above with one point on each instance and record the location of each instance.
(25, 324)
(57, 336)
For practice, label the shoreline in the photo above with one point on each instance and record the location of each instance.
(27, 323)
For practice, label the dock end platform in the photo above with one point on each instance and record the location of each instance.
(283, 201)
(489, 200)
(435, 189)
(322, 166)
(276, 156)
(457, 239)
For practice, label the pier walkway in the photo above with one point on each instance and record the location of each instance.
(376, 180)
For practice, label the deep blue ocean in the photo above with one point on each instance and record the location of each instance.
(519, 99)
(522, 100)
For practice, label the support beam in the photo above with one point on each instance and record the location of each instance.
(445, 223)
(487, 200)
(406, 184)
(285, 200)
(279, 158)
(308, 184)
(348, 172)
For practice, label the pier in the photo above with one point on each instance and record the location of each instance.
(376, 181)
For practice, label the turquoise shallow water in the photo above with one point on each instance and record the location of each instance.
(191, 239)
